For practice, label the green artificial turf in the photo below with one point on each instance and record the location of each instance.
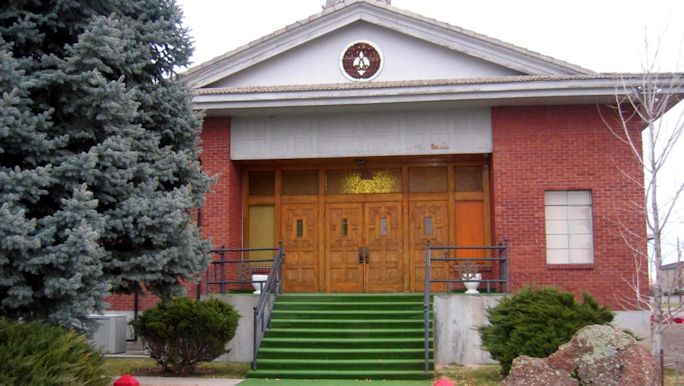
(331, 382)
(345, 336)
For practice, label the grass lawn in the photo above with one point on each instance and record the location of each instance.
(146, 366)
(670, 377)
(460, 375)
(485, 375)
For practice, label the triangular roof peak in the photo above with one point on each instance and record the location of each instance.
(380, 14)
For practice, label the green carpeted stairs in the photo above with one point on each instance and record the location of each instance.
(345, 336)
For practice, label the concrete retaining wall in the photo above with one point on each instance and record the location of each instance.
(457, 317)
(241, 345)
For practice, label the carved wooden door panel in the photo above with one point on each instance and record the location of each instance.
(300, 241)
(429, 220)
(344, 237)
(384, 243)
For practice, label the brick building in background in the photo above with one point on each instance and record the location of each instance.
(366, 126)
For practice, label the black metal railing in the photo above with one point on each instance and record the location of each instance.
(501, 252)
(217, 275)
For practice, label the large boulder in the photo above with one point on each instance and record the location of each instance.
(528, 371)
(603, 355)
(596, 355)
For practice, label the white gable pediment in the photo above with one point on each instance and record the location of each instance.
(414, 48)
(404, 58)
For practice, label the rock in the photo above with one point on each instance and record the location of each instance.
(603, 355)
(596, 355)
(528, 371)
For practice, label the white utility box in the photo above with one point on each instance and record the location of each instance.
(110, 335)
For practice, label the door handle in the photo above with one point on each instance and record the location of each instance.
(364, 255)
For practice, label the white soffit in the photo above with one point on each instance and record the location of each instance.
(362, 134)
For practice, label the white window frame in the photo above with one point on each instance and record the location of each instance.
(569, 226)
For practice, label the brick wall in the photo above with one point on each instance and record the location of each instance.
(222, 212)
(565, 148)
(221, 216)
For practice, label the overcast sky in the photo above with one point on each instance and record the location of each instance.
(601, 35)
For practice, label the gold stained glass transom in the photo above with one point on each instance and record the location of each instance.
(363, 181)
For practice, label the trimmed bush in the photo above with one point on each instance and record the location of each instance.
(535, 322)
(42, 355)
(182, 332)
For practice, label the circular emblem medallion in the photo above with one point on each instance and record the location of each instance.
(361, 61)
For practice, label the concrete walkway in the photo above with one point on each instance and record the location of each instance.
(171, 381)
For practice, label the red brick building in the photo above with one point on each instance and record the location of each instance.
(366, 126)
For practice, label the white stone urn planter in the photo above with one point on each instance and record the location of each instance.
(258, 280)
(471, 286)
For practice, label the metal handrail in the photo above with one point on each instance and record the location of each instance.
(217, 267)
(262, 319)
(271, 286)
(504, 279)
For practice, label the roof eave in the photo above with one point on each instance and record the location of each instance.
(501, 93)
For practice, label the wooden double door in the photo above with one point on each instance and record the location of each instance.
(364, 247)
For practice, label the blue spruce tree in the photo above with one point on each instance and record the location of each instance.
(98, 156)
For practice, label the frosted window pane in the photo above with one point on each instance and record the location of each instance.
(383, 226)
(556, 198)
(261, 183)
(556, 212)
(557, 256)
(580, 227)
(556, 227)
(261, 230)
(581, 256)
(344, 227)
(579, 212)
(580, 241)
(468, 179)
(300, 228)
(428, 226)
(300, 183)
(579, 198)
(427, 180)
(557, 241)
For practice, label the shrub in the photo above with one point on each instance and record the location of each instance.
(42, 355)
(182, 332)
(535, 322)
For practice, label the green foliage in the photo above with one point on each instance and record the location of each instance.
(99, 163)
(535, 322)
(42, 355)
(181, 333)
